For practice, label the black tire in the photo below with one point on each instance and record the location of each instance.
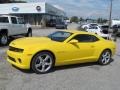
(105, 57)
(37, 65)
(29, 33)
(3, 39)
(118, 35)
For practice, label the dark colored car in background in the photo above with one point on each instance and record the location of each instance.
(51, 23)
(104, 29)
(61, 25)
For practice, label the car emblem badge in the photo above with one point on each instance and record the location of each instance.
(15, 9)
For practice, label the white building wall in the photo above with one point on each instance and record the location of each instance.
(22, 8)
(30, 12)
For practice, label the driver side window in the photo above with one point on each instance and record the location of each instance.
(86, 38)
(13, 20)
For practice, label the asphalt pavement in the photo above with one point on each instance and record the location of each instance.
(90, 76)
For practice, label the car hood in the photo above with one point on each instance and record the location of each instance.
(31, 41)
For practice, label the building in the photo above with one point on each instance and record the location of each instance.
(33, 13)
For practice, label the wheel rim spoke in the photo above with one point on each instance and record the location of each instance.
(47, 64)
(38, 65)
(105, 61)
(46, 58)
(40, 58)
(43, 68)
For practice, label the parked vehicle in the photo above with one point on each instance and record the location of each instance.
(51, 23)
(116, 29)
(41, 54)
(115, 22)
(61, 25)
(101, 30)
(86, 26)
(12, 26)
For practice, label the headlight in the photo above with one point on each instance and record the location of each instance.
(16, 49)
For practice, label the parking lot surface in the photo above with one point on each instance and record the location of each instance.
(90, 76)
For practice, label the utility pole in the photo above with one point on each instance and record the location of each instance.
(110, 18)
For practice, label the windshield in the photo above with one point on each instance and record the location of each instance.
(59, 36)
(4, 20)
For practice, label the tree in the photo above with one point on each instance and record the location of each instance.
(74, 19)
(105, 20)
(101, 20)
(81, 19)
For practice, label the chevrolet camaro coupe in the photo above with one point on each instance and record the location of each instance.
(41, 54)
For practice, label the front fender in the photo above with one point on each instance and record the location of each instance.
(33, 52)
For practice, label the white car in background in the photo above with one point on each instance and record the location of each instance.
(13, 26)
(101, 30)
(86, 26)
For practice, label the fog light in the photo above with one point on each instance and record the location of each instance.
(19, 60)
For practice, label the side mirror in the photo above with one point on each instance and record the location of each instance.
(74, 41)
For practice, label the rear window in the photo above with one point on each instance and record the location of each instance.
(104, 27)
(4, 20)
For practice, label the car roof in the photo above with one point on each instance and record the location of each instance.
(78, 32)
(83, 32)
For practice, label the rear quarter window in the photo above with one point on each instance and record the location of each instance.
(86, 38)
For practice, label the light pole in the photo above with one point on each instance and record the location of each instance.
(110, 17)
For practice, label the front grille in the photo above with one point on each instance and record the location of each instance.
(15, 49)
(12, 59)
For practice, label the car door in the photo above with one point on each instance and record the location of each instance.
(15, 26)
(83, 50)
(22, 26)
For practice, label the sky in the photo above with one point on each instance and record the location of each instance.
(86, 8)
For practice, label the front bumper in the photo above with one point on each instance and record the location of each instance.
(20, 60)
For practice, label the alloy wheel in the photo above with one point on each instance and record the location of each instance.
(4, 40)
(105, 57)
(42, 62)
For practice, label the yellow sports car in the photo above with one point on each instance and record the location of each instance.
(41, 54)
